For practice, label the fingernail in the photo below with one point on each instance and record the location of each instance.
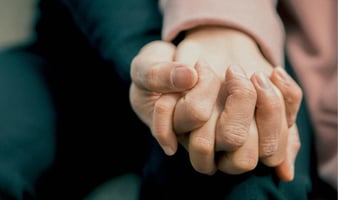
(238, 71)
(168, 150)
(291, 163)
(263, 81)
(182, 77)
(281, 74)
(292, 169)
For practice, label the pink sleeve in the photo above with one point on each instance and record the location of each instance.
(258, 18)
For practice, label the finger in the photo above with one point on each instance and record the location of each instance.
(234, 122)
(268, 114)
(142, 103)
(245, 158)
(285, 170)
(195, 108)
(153, 69)
(156, 112)
(291, 92)
(271, 121)
(201, 147)
(162, 123)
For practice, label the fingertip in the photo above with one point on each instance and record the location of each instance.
(292, 173)
(292, 93)
(261, 80)
(281, 73)
(285, 82)
(169, 150)
(281, 78)
(285, 171)
(168, 145)
(235, 71)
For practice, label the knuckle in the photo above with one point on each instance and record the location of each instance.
(241, 88)
(268, 147)
(292, 92)
(197, 110)
(273, 161)
(162, 107)
(295, 96)
(234, 136)
(246, 163)
(275, 105)
(202, 146)
(151, 77)
(244, 92)
(267, 151)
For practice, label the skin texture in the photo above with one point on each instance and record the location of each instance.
(216, 93)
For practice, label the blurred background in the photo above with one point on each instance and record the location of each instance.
(16, 20)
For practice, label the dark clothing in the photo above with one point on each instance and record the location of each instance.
(67, 126)
(89, 45)
(27, 123)
(66, 123)
(115, 30)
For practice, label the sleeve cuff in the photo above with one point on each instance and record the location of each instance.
(257, 18)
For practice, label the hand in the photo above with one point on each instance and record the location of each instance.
(222, 48)
(168, 132)
(157, 84)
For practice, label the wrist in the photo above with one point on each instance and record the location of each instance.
(236, 47)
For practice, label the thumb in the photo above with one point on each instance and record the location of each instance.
(153, 69)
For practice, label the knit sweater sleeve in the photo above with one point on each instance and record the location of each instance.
(257, 18)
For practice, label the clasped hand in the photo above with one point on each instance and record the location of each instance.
(216, 95)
